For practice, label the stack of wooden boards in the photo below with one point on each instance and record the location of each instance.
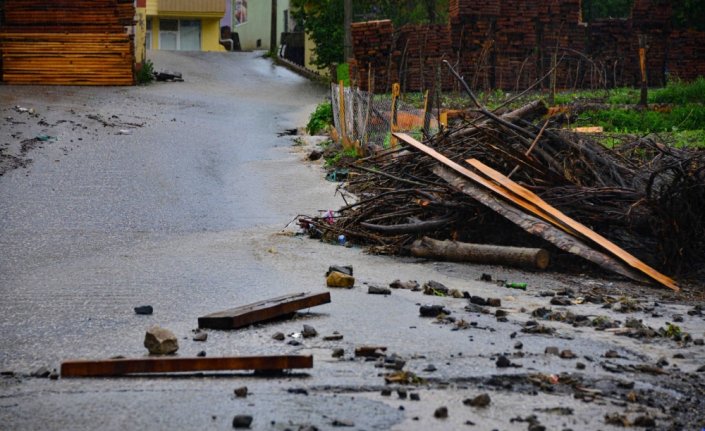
(65, 42)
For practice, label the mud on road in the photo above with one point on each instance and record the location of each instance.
(177, 195)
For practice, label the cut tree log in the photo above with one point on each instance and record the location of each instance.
(121, 367)
(454, 251)
(420, 226)
(262, 311)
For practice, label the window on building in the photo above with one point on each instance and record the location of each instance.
(148, 37)
(189, 35)
(240, 12)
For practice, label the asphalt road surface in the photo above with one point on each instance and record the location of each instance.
(178, 195)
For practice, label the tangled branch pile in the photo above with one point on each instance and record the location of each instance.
(646, 197)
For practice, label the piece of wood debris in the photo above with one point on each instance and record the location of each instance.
(121, 367)
(262, 311)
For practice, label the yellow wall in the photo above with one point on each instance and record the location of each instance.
(308, 54)
(209, 12)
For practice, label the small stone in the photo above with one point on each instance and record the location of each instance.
(644, 422)
(518, 345)
(54, 375)
(386, 392)
(536, 427)
(455, 293)
(626, 384)
(241, 392)
(144, 310)
(547, 293)
(430, 368)
(41, 372)
(297, 391)
(435, 288)
(567, 354)
(478, 300)
(294, 342)
(409, 285)
(432, 310)
(441, 413)
(338, 279)
(401, 393)
(611, 354)
(701, 369)
(201, 354)
(560, 300)
(160, 341)
(552, 350)
(698, 342)
(503, 362)
(482, 400)
(309, 331)
(279, 336)
(242, 421)
(315, 155)
(678, 356)
(414, 396)
(486, 277)
(338, 353)
(500, 313)
(580, 365)
(335, 337)
(377, 290)
(494, 302)
(662, 362)
(201, 336)
(343, 423)
(677, 318)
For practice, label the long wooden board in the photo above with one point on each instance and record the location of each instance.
(541, 209)
(262, 311)
(121, 367)
(588, 233)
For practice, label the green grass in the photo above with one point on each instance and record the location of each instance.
(320, 119)
(343, 72)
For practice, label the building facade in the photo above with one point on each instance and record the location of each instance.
(180, 25)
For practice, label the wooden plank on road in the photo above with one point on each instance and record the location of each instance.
(121, 367)
(262, 311)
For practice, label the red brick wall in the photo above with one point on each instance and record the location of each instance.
(509, 44)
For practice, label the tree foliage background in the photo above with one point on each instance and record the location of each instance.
(323, 19)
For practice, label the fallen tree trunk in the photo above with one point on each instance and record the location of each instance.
(454, 251)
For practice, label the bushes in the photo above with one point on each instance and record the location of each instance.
(320, 119)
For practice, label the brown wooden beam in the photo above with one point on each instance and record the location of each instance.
(120, 367)
(262, 311)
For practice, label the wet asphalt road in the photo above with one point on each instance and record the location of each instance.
(179, 202)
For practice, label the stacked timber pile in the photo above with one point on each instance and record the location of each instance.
(65, 42)
(373, 43)
(684, 46)
(518, 179)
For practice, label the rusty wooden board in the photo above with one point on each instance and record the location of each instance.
(524, 193)
(262, 311)
(121, 367)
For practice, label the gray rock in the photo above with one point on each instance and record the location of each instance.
(241, 392)
(315, 155)
(401, 392)
(54, 375)
(386, 392)
(435, 288)
(201, 336)
(677, 318)
(160, 341)
(309, 331)
(441, 413)
(482, 400)
(201, 354)
(279, 336)
(345, 269)
(580, 366)
(338, 353)
(377, 290)
(551, 350)
(503, 362)
(144, 310)
(644, 422)
(494, 302)
(561, 300)
(430, 368)
(343, 423)
(335, 337)
(294, 343)
(699, 342)
(518, 345)
(242, 421)
(433, 310)
(478, 300)
(41, 372)
(567, 354)
(414, 396)
(409, 285)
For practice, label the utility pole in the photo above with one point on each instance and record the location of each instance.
(273, 34)
(347, 22)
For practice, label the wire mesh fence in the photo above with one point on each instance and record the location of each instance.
(365, 121)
